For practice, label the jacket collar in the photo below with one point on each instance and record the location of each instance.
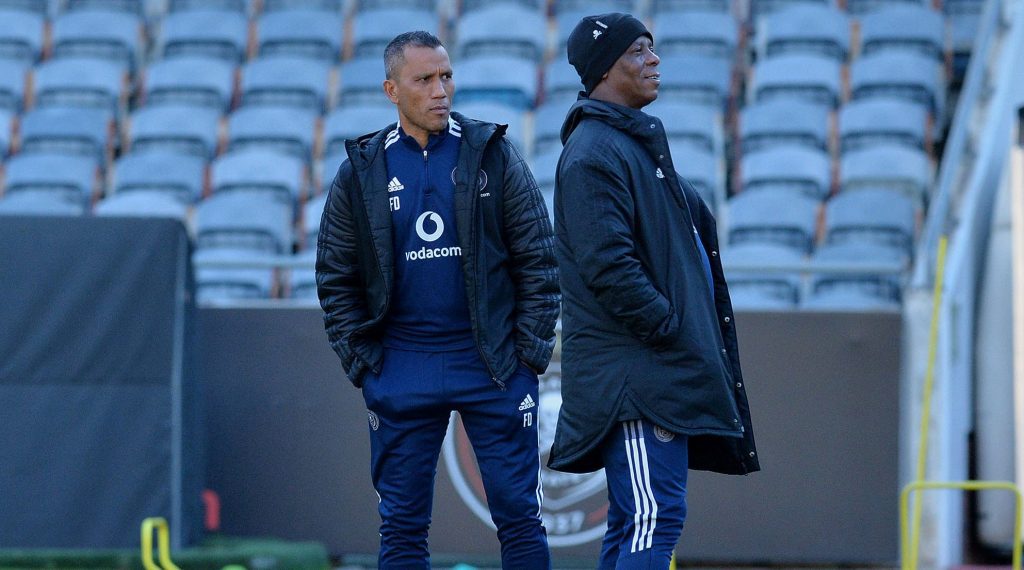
(364, 150)
(633, 122)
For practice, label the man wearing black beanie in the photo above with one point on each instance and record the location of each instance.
(651, 380)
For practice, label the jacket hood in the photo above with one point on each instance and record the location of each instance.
(631, 121)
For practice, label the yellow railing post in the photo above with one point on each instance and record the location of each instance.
(163, 544)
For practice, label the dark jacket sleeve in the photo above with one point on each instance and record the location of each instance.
(599, 233)
(530, 241)
(338, 280)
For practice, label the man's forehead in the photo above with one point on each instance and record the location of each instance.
(425, 58)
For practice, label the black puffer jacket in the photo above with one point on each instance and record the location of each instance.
(507, 254)
(640, 333)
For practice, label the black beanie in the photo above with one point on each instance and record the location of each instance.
(598, 41)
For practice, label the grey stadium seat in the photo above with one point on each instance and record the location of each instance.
(334, 6)
(365, 5)
(111, 35)
(286, 81)
(659, 7)
(506, 29)
(815, 29)
(361, 82)
(76, 131)
(72, 178)
(701, 168)
(12, 85)
(312, 211)
(40, 7)
(762, 8)
(498, 113)
(873, 215)
(21, 36)
(714, 34)
(180, 176)
(547, 123)
(467, 6)
(133, 7)
(890, 166)
(217, 284)
(784, 122)
(302, 282)
(859, 291)
(180, 128)
(329, 167)
(695, 79)
(809, 77)
(142, 204)
(877, 120)
(508, 80)
(80, 82)
(244, 220)
(773, 215)
(190, 80)
(688, 122)
(595, 6)
(312, 34)
(209, 33)
(39, 203)
(900, 74)
(561, 80)
(797, 167)
(6, 124)
(260, 172)
(351, 122)
(373, 29)
(235, 6)
(911, 27)
(283, 129)
(762, 290)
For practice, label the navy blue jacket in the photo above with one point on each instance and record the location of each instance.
(507, 254)
(641, 335)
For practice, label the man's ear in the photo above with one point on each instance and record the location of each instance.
(391, 90)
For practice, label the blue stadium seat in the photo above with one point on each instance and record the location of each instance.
(964, 17)
(361, 82)
(373, 29)
(6, 132)
(699, 166)
(547, 122)
(858, 291)
(503, 30)
(595, 6)
(889, 166)
(312, 211)
(329, 167)
(712, 33)
(369, 5)
(812, 78)
(39, 7)
(133, 7)
(302, 282)
(687, 122)
(226, 284)
(905, 27)
(861, 7)
(659, 7)
(286, 81)
(501, 114)
(900, 74)
(874, 215)
(142, 204)
(263, 172)
(773, 215)
(236, 6)
(334, 6)
(561, 80)
(467, 6)
(759, 9)
(283, 129)
(868, 122)
(12, 85)
(351, 122)
(244, 220)
(68, 130)
(796, 167)
(782, 122)
(545, 167)
(180, 176)
(72, 178)
(208, 33)
(815, 29)
(179, 128)
(21, 36)
(109, 35)
(696, 79)
(311, 34)
(195, 81)
(753, 290)
(508, 80)
(80, 82)
(39, 203)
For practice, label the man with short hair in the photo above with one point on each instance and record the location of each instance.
(651, 381)
(436, 273)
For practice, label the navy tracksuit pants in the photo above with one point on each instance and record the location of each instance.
(410, 403)
(646, 467)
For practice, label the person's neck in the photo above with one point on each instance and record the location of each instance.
(603, 93)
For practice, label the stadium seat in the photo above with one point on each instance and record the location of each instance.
(72, 178)
(861, 7)
(237, 6)
(109, 35)
(701, 168)
(132, 7)
(283, 129)
(507, 30)
(361, 82)
(466, 6)
(659, 7)
(39, 7)
(814, 29)
(372, 30)
(180, 176)
(179, 128)
(142, 204)
(21, 36)
(311, 34)
(773, 215)
(696, 79)
(762, 8)
(545, 167)
(260, 172)
(877, 216)
(6, 132)
(889, 166)
(329, 167)
(808, 77)
(12, 85)
(713, 34)
(312, 211)
(209, 33)
(596, 6)
(867, 122)
(900, 74)
(286, 81)
(244, 220)
(696, 124)
(351, 122)
(905, 27)
(334, 6)
(796, 167)
(80, 82)
(547, 123)
(561, 80)
(855, 290)
(771, 288)
(508, 80)
(501, 114)
(367, 5)
(302, 281)
(187, 80)
(68, 130)
(39, 203)
(225, 284)
(783, 122)
(964, 17)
